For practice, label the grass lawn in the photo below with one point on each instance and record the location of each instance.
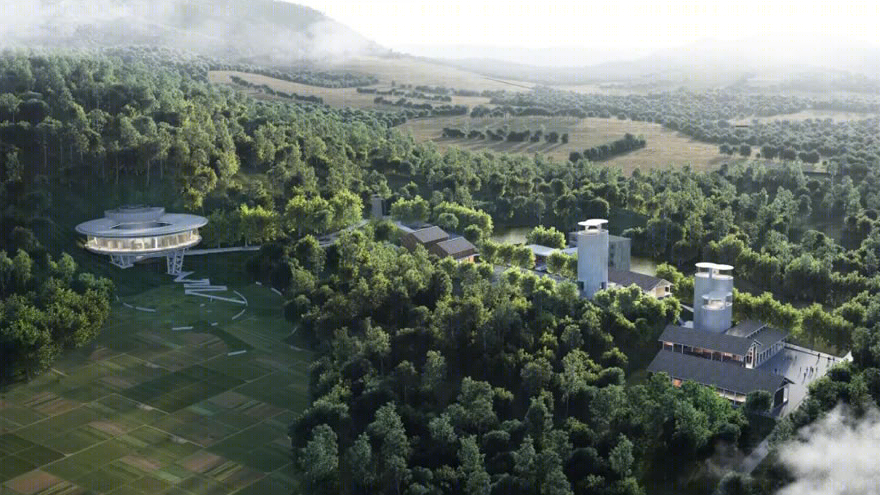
(146, 409)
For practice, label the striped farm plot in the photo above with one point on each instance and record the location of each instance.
(193, 396)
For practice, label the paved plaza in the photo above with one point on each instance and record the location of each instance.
(802, 366)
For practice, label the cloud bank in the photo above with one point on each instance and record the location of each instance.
(838, 455)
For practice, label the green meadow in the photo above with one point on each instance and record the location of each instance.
(146, 409)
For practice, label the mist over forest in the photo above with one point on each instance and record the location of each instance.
(268, 30)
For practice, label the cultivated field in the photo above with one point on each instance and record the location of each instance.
(664, 147)
(335, 97)
(147, 409)
(409, 70)
(402, 70)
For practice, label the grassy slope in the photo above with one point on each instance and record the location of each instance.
(335, 97)
(664, 147)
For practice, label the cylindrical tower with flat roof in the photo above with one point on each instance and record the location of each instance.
(592, 246)
(713, 297)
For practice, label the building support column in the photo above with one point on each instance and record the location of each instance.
(174, 260)
(122, 260)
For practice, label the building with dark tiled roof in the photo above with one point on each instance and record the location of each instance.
(654, 286)
(714, 346)
(459, 248)
(426, 237)
(731, 381)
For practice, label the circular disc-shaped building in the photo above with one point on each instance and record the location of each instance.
(133, 233)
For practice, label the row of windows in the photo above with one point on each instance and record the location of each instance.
(703, 353)
(143, 243)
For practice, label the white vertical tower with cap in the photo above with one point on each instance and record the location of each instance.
(592, 248)
(713, 297)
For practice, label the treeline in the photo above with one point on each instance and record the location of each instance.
(302, 215)
(605, 151)
(324, 79)
(188, 61)
(506, 135)
(265, 88)
(827, 83)
(405, 94)
(431, 110)
(444, 91)
(474, 225)
(771, 152)
(480, 111)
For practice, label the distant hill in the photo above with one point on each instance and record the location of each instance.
(709, 62)
(254, 30)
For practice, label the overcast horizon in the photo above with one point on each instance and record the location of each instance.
(606, 31)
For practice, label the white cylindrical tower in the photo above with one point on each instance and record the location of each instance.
(592, 246)
(713, 297)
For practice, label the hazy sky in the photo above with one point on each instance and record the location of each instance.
(632, 26)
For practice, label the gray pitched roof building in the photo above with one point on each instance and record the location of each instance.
(717, 374)
(767, 337)
(425, 237)
(746, 328)
(458, 248)
(720, 342)
(625, 278)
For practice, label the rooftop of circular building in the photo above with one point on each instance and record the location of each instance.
(139, 221)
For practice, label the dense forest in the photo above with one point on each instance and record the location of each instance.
(97, 119)
(436, 377)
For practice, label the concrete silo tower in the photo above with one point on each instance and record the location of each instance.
(713, 297)
(592, 248)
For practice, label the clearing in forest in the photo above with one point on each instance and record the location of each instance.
(409, 70)
(664, 147)
(335, 97)
(152, 404)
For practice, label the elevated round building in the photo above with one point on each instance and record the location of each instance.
(133, 233)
